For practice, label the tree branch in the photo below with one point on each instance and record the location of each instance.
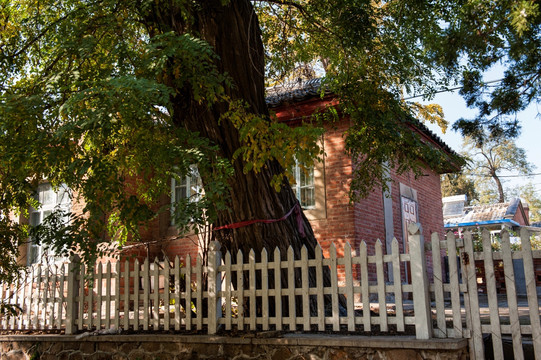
(302, 10)
(48, 28)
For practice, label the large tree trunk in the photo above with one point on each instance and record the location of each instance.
(233, 30)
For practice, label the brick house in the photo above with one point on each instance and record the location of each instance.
(323, 193)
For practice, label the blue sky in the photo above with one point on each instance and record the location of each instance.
(455, 107)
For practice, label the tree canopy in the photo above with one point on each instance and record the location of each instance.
(488, 160)
(481, 35)
(531, 197)
(483, 180)
(459, 184)
(115, 97)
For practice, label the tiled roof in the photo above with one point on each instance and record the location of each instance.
(304, 90)
(294, 92)
(484, 213)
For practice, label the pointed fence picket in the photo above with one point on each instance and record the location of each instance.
(531, 291)
(471, 303)
(349, 287)
(177, 294)
(397, 290)
(278, 290)
(381, 287)
(228, 297)
(364, 288)
(305, 293)
(319, 290)
(512, 297)
(264, 290)
(492, 296)
(252, 288)
(290, 290)
(188, 294)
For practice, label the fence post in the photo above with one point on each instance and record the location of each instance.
(73, 290)
(214, 287)
(419, 280)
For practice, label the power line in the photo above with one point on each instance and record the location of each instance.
(448, 90)
(506, 176)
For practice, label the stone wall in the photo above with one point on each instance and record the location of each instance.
(184, 347)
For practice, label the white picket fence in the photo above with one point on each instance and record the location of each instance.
(170, 296)
(461, 311)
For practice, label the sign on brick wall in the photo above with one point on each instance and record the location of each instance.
(409, 215)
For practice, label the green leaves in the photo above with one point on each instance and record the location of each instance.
(370, 53)
(483, 34)
(383, 137)
(264, 140)
(86, 101)
(522, 14)
(185, 60)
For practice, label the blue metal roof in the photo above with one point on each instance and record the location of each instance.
(483, 223)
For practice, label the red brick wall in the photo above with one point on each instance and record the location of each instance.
(369, 212)
(430, 213)
(520, 216)
(182, 247)
(338, 227)
(364, 220)
(369, 220)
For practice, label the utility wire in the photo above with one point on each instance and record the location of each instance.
(448, 90)
(505, 176)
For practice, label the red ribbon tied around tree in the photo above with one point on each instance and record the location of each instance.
(296, 209)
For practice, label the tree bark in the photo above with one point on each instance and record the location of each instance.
(233, 30)
(500, 187)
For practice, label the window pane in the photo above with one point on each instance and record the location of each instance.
(304, 188)
(34, 219)
(180, 192)
(188, 187)
(307, 197)
(183, 181)
(179, 188)
(33, 253)
(63, 196)
(46, 194)
(49, 200)
(46, 213)
(306, 178)
(195, 186)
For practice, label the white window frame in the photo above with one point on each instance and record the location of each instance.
(298, 186)
(194, 189)
(36, 216)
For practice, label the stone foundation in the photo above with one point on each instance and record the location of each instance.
(188, 347)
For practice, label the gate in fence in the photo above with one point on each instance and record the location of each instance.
(501, 317)
(286, 293)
